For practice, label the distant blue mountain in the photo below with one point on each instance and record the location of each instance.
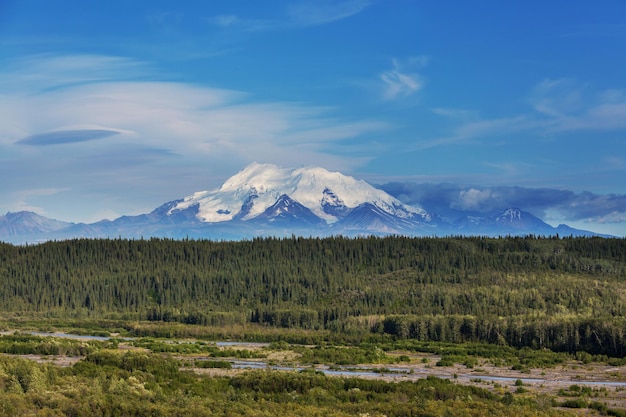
(264, 200)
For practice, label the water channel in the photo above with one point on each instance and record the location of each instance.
(364, 371)
(408, 374)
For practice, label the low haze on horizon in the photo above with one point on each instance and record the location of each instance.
(114, 108)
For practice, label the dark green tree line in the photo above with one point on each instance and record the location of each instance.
(565, 294)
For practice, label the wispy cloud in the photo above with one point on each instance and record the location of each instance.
(556, 107)
(125, 134)
(460, 115)
(557, 97)
(37, 73)
(20, 200)
(297, 15)
(168, 22)
(470, 128)
(233, 22)
(225, 20)
(310, 13)
(180, 116)
(402, 80)
(570, 106)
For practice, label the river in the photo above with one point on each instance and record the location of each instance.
(363, 371)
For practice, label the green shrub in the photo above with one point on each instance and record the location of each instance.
(445, 362)
(574, 403)
(214, 364)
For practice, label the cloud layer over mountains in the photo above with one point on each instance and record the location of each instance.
(552, 205)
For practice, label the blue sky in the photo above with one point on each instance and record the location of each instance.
(112, 108)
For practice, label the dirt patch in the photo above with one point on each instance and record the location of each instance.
(57, 360)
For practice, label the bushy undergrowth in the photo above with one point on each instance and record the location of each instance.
(27, 344)
(114, 383)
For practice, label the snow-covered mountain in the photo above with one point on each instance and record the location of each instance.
(328, 195)
(266, 200)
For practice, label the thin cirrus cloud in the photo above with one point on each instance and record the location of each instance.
(45, 71)
(569, 105)
(402, 80)
(107, 136)
(182, 118)
(317, 13)
(297, 15)
(555, 107)
(469, 128)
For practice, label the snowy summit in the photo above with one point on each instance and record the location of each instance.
(266, 200)
(329, 195)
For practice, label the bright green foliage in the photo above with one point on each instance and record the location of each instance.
(194, 348)
(342, 355)
(26, 344)
(111, 383)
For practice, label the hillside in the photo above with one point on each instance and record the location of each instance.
(565, 294)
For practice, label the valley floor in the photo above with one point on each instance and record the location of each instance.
(572, 383)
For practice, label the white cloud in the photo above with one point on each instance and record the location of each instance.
(20, 200)
(234, 22)
(45, 71)
(297, 15)
(460, 115)
(613, 217)
(177, 116)
(559, 106)
(473, 199)
(570, 106)
(401, 80)
(556, 97)
(225, 20)
(472, 128)
(166, 131)
(309, 13)
(482, 128)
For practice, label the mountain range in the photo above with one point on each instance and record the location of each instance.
(265, 200)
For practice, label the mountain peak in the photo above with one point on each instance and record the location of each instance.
(267, 200)
(27, 223)
(252, 190)
(510, 215)
(251, 176)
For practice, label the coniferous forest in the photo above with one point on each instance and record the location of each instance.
(563, 294)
